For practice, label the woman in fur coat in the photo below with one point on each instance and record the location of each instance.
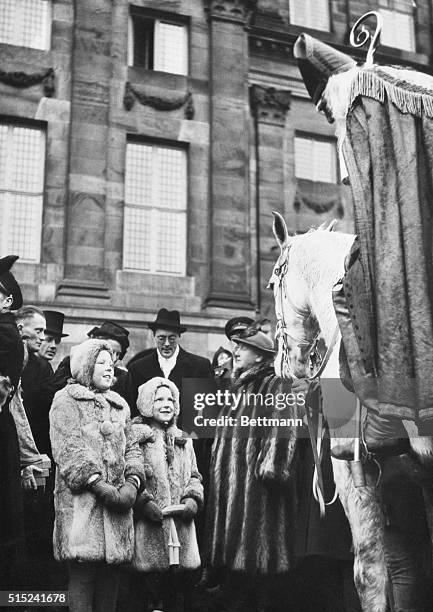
(172, 480)
(252, 500)
(98, 474)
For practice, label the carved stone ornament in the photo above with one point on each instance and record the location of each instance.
(231, 10)
(318, 207)
(162, 104)
(22, 80)
(269, 104)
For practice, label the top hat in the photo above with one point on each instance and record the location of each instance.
(54, 323)
(8, 284)
(259, 341)
(109, 329)
(318, 61)
(236, 325)
(167, 319)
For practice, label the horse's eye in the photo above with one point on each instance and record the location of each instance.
(270, 286)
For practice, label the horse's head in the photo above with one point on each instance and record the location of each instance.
(297, 326)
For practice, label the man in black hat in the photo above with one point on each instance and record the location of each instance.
(169, 360)
(117, 338)
(53, 334)
(11, 363)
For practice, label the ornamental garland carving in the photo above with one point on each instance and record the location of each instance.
(22, 80)
(268, 102)
(232, 10)
(159, 103)
(318, 207)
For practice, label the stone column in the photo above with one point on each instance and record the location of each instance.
(229, 282)
(269, 107)
(85, 227)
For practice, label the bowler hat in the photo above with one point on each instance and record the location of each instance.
(54, 323)
(167, 319)
(109, 329)
(8, 284)
(236, 325)
(259, 341)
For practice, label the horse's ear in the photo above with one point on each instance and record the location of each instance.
(280, 230)
(331, 226)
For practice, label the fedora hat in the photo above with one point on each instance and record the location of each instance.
(236, 325)
(167, 319)
(8, 283)
(54, 323)
(109, 329)
(259, 341)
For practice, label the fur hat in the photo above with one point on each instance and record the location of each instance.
(147, 392)
(83, 359)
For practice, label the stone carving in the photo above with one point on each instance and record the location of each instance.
(22, 80)
(163, 104)
(318, 207)
(269, 104)
(231, 10)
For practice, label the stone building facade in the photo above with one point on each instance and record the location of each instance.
(144, 145)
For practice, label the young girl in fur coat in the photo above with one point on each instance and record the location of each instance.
(172, 480)
(99, 472)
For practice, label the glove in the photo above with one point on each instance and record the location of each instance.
(128, 493)
(190, 510)
(148, 509)
(108, 495)
(28, 474)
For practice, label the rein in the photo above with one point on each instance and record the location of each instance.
(283, 333)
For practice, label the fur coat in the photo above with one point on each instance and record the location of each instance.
(91, 433)
(172, 476)
(252, 500)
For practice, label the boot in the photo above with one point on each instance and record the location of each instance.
(383, 436)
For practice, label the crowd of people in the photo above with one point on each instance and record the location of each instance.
(135, 514)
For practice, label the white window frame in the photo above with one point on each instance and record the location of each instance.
(310, 7)
(313, 177)
(7, 189)
(156, 44)
(17, 37)
(154, 214)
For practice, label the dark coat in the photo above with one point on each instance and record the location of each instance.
(11, 526)
(187, 366)
(251, 518)
(120, 386)
(38, 393)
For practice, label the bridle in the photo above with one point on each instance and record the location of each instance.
(282, 331)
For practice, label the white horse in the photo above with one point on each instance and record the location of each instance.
(306, 271)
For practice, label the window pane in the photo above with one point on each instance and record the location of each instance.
(138, 174)
(154, 237)
(171, 243)
(24, 224)
(34, 15)
(170, 48)
(7, 20)
(136, 239)
(22, 156)
(26, 23)
(315, 160)
(398, 30)
(171, 178)
(310, 13)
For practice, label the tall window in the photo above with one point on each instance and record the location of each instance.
(26, 23)
(315, 159)
(157, 44)
(22, 160)
(154, 238)
(310, 13)
(398, 24)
